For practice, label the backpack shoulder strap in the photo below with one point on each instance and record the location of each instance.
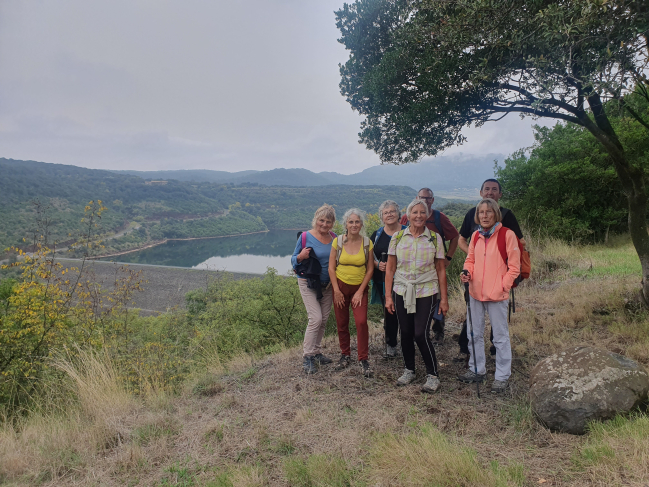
(398, 236)
(437, 216)
(339, 248)
(474, 236)
(366, 249)
(379, 232)
(502, 243)
(303, 239)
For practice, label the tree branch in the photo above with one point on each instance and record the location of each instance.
(536, 111)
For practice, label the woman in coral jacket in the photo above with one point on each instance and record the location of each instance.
(490, 278)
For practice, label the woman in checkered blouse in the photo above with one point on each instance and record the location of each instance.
(415, 288)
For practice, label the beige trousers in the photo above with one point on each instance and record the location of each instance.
(318, 313)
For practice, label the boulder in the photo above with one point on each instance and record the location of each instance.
(582, 384)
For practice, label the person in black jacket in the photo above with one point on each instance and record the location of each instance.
(390, 215)
(490, 189)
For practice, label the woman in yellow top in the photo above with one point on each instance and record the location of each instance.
(350, 275)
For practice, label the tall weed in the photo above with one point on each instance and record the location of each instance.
(92, 416)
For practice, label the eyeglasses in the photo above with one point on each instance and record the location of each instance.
(390, 212)
(427, 198)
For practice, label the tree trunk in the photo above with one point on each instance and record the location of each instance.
(633, 184)
(639, 236)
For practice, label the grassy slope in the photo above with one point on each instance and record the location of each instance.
(265, 423)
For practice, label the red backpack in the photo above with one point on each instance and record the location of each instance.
(526, 263)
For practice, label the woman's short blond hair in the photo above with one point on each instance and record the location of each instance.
(325, 211)
(414, 203)
(492, 205)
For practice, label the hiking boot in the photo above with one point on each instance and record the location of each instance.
(390, 352)
(438, 339)
(431, 385)
(343, 362)
(462, 358)
(407, 377)
(470, 377)
(322, 359)
(492, 350)
(366, 369)
(499, 386)
(309, 365)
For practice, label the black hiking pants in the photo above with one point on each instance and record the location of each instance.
(390, 326)
(415, 328)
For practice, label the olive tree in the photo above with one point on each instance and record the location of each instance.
(421, 70)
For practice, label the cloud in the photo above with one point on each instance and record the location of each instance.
(145, 84)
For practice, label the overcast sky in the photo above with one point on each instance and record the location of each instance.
(191, 84)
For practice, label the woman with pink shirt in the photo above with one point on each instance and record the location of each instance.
(490, 278)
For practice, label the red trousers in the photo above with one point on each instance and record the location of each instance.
(360, 317)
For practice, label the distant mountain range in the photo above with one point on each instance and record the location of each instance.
(456, 176)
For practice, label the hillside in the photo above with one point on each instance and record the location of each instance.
(456, 176)
(172, 209)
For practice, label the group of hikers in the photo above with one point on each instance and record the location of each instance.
(406, 259)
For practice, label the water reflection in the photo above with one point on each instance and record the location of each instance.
(246, 253)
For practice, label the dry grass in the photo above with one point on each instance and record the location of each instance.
(617, 452)
(263, 422)
(428, 457)
(51, 444)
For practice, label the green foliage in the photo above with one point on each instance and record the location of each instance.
(252, 315)
(567, 187)
(51, 308)
(235, 222)
(421, 71)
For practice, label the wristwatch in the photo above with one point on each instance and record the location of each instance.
(449, 257)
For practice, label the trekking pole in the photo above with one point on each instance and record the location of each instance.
(470, 328)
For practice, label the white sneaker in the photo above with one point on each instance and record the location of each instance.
(407, 377)
(431, 385)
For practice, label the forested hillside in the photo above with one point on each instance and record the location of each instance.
(171, 209)
(457, 175)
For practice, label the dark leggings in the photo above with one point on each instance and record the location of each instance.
(415, 327)
(390, 325)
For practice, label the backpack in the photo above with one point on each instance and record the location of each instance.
(379, 232)
(399, 236)
(437, 219)
(366, 250)
(526, 264)
(303, 236)
(526, 267)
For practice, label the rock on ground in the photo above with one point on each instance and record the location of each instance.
(582, 384)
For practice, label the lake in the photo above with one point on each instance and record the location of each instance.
(245, 253)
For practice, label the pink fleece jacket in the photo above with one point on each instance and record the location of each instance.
(491, 279)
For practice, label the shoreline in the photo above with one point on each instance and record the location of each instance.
(160, 242)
